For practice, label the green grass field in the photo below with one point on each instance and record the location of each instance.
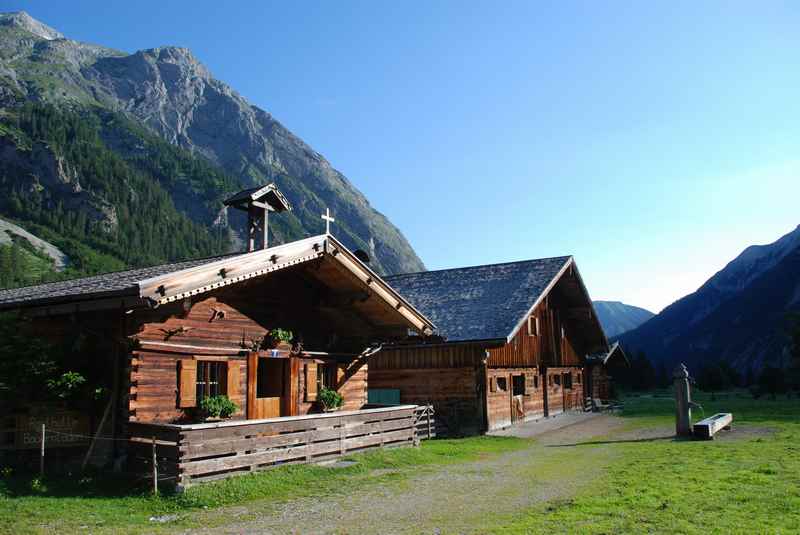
(747, 483)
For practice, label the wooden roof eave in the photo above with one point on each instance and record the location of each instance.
(375, 283)
(200, 279)
(550, 286)
(539, 299)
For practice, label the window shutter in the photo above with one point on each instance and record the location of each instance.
(311, 381)
(232, 384)
(187, 396)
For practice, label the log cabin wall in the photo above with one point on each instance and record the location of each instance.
(543, 339)
(218, 327)
(564, 389)
(505, 406)
(451, 377)
(348, 378)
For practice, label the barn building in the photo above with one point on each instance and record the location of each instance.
(160, 339)
(511, 346)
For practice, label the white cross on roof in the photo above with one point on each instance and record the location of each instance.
(328, 220)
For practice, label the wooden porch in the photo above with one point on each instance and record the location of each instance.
(187, 454)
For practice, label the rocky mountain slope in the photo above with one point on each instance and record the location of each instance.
(170, 93)
(617, 318)
(9, 233)
(738, 315)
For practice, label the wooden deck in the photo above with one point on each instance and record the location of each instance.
(202, 452)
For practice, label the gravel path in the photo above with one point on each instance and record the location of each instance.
(447, 499)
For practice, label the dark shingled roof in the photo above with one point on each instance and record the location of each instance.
(116, 283)
(481, 302)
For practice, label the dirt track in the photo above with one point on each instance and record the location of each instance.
(446, 498)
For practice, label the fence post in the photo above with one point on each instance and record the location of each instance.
(428, 409)
(41, 456)
(155, 469)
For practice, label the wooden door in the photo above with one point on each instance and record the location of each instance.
(266, 387)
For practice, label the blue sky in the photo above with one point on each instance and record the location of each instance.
(653, 141)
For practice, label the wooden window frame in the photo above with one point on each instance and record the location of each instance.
(225, 382)
(533, 325)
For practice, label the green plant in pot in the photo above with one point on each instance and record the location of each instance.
(280, 338)
(217, 407)
(330, 399)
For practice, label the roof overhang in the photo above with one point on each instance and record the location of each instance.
(569, 264)
(603, 358)
(268, 197)
(201, 279)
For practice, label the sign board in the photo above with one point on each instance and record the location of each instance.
(64, 428)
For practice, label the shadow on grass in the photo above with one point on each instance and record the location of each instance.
(77, 486)
(670, 438)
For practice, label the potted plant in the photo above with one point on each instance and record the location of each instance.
(330, 399)
(216, 408)
(280, 339)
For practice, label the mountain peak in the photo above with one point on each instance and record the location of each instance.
(21, 19)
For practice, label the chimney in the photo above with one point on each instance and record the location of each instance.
(258, 203)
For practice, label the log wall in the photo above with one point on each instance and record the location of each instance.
(503, 408)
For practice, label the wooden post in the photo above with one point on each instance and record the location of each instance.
(155, 469)
(41, 456)
(683, 398)
(428, 414)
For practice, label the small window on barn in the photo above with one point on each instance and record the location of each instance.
(535, 381)
(557, 379)
(502, 384)
(533, 326)
(568, 381)
(518, 385)
(325, 376)
(211, 378)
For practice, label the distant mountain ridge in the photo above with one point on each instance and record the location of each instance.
(171, 94)
(738, 315)
(617, 318)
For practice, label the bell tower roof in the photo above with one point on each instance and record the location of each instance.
(267, 197)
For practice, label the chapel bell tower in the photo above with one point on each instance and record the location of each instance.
(258, 202)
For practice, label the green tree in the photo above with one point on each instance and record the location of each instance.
(713, 378)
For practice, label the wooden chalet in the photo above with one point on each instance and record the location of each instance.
(511, 345)
(169, 335)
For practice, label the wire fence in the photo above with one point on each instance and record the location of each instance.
(62, 452)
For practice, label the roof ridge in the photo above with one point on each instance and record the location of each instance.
(464, 268)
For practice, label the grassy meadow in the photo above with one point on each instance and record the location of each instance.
(738, 484)
(747, 482)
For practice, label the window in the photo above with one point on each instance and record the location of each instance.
(198, 379)
(502, 384)
(535, 381)
(568, 381)
(210, 378)
(557, 379)
(533, 326)
(518, 385)
(325, 376)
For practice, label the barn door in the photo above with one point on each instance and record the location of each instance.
(266, 387)
(517, 398)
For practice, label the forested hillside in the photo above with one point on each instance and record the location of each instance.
(124, 159)
(107, 209)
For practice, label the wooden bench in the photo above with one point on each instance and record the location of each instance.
(706, 429)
